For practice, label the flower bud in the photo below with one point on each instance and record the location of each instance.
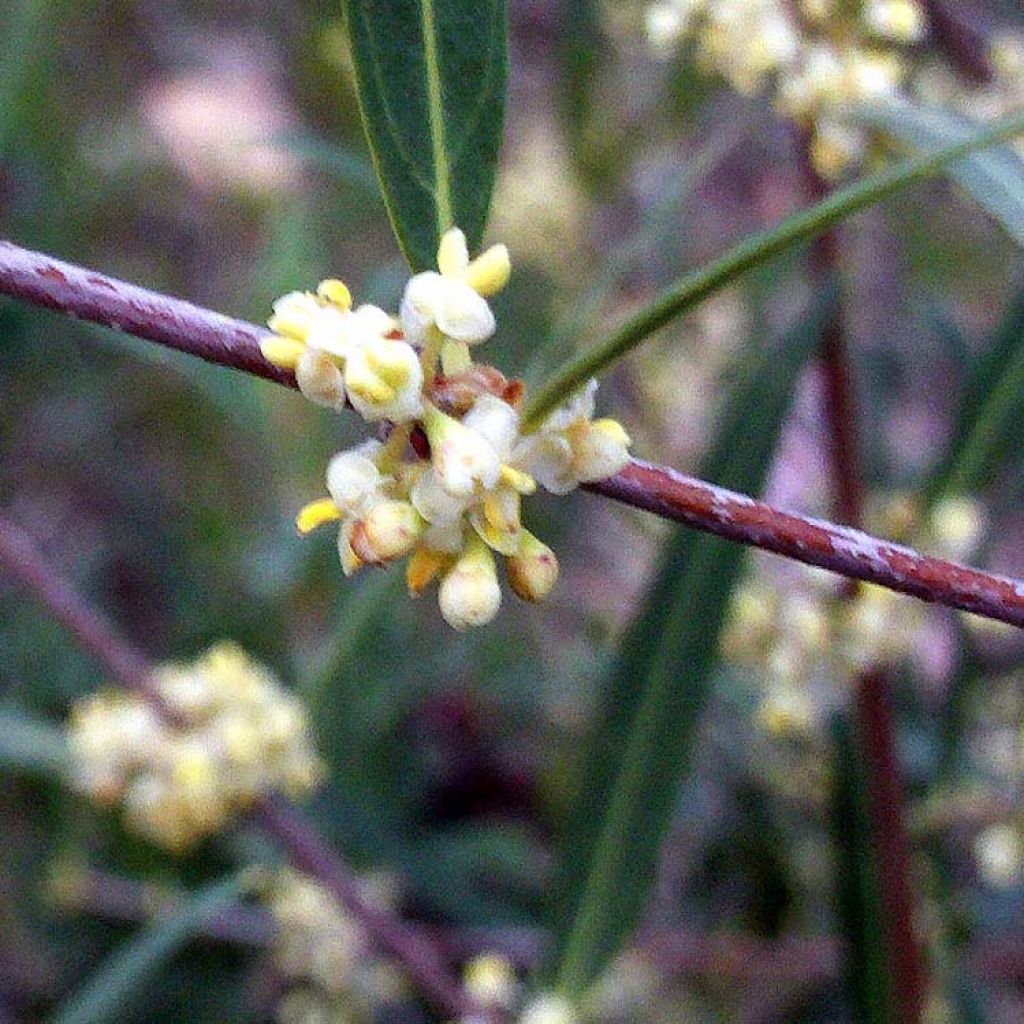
(533, 570)
(600, 450)
(389, 530)
(469, 594)
(383, 379)
(294, 315)
(353, 478)
(283, 352)
(463, 458)
(320, 380)
(336, 293)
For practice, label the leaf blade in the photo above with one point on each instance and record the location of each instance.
(639, 749)
(430, 78)
(994, 178)
(132, 964)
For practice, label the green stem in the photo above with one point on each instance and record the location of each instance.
(758, 249)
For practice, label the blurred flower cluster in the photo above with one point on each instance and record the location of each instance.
(333, 975)
(815, 55)
(233, 733)
(445, 487)
(804, 635)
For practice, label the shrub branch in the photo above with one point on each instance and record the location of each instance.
(80, 293)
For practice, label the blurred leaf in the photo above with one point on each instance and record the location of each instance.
(987, 430)
(430, 75)
(860, 909)
(31, 744)
(994, 178)
(110, 990)
(754, 251)
(25, 39)
(641, 743)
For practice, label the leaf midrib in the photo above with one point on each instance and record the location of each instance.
(435, 115)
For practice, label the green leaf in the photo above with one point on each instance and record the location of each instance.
(31, 744)
(754, 251)
(994, 178)
(430, 76)
(641, 744)
(987, 430)
(133, 965)
(860, 910)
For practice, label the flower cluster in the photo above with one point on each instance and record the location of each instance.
(446, 486)
(234, 735)
(322, 952)
(815, 55)
(805, 635)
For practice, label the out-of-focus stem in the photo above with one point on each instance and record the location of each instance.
(307, 850)
(876, 733)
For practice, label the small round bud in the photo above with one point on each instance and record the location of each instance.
(320, 380)
(533, 571)
(469, 594)
(389, 530)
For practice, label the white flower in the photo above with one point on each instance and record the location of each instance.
(384, 380)
(569, 448)
(454, 299)
(469, 594)
(354, 480)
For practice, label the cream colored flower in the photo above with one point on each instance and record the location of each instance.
(570, 448)
(454, 300)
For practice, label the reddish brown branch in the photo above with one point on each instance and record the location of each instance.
(813, 541)
(86, 295)
(654, 489)
(304, 846)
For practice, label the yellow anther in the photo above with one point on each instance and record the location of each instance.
(283, 352)
(422, 567)
(315, 514)
(388, 362)
(613, 430)
(336, 293)
(489, 272)
(517, 480)
(452, 255)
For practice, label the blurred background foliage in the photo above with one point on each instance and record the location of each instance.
(213, 151)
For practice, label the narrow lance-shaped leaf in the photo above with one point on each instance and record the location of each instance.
(861, 915)
(986, 432)
(112, 988)
(430, 76)
(696, 286)
(994, 178)
(641, 744)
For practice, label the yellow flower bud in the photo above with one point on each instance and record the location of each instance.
(423, 566)
(452, 254)
(469, 594)
(389, 530)
(533, 570)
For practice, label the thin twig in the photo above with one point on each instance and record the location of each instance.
(87, 295)
(305, 848)
(655, 489)
(839, 549)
